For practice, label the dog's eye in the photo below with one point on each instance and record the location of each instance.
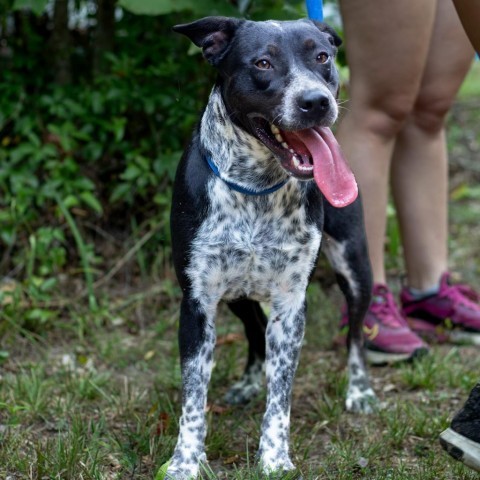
(263, 64)
(322, 57)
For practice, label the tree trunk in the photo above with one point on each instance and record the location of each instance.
(104, 34)
(60, 43)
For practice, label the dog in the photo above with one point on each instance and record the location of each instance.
(261, 185)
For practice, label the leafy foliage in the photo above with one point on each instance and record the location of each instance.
(100, 145)
(162, 7)
(98, 151)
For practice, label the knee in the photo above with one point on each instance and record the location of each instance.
(386, 115)
(430, 112)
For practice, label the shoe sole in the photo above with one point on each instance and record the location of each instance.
(461, 448)
(383, 358)
(464, 337)
(443, 335)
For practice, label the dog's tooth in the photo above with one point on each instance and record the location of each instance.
(274, 129)
(279, 138)
(291, 150)
(285, 145)
(296, 162)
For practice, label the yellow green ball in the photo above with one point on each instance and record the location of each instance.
(162, 471)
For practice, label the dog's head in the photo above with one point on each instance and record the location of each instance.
(279, 82)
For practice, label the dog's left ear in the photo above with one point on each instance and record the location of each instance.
(334, 38)
(212, 34)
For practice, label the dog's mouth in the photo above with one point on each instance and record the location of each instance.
(311, 153)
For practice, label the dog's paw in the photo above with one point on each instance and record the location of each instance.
(242, 392)
(188, 472)
(276, 466)
(180, 469)
(176, 474)
(361, 401)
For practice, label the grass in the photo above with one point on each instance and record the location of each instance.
(470, 88)
(105, 405)
(94, 394)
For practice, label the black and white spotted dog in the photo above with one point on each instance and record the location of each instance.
(256, 192)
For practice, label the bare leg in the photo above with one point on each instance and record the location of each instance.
(387, 44)
(420, 163)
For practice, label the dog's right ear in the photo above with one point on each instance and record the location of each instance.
(212, 34)
(334, 39)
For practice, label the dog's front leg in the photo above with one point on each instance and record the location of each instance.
(197, 342)
(284, 338)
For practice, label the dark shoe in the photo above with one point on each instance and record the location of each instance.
(462, 439)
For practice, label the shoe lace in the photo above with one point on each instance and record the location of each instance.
(384, 307)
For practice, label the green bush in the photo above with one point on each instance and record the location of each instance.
(105, 145)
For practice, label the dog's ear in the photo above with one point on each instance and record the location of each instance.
(212, 34)
(334, 38)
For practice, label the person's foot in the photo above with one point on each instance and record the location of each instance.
(462, 439)
(387, 336)
(452, 314)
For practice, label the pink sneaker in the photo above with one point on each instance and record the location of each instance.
(387, 335)
(452, 314)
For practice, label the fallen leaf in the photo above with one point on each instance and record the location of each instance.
(389, 387)
(230, 338)
(149, 355)
(211, 407)
(230, 460)
(163, 423)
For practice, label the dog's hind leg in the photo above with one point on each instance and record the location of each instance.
(197, 341)
(345, 245)
(255, 323)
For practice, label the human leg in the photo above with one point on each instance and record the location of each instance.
(420, 187)
(419, 164)
(462, 439)
(386, 45)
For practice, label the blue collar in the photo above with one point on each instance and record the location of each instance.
(244, 190)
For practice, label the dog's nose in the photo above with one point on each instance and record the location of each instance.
(313, 101)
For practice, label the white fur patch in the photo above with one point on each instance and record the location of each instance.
(300, 82)
(360, 395)
(335, 252)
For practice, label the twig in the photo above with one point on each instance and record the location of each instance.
(127, 257)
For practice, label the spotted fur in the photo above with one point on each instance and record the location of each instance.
(249, 386)
(245, 249)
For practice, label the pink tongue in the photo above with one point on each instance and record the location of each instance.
(330, 170)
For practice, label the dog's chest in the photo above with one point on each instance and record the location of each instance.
(253, 246)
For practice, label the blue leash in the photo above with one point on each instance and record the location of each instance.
(315, 9)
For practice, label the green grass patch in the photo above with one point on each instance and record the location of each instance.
(470, 88)
(105, 405)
